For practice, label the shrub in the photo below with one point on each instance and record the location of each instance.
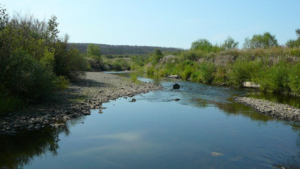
(220, 75)
(207, 72)
(244, 70)
(274, 78)
(134, 78)
(294, 78)
(26, 77)
(193, 55)
(9, 103)
(150, 70)
(186, 73)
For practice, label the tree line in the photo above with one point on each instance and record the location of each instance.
(123, 49)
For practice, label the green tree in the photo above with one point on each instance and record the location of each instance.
(94, 56)
(3, 17)
(158, 52)
(230, 44)
(261, 41)
(294, 43)
(202, 44)
(157, 56)
(93, 50)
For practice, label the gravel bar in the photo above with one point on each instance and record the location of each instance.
(89, 92)
(276, 110)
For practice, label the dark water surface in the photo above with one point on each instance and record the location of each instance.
(205, 129)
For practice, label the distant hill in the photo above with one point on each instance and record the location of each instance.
(124, 49)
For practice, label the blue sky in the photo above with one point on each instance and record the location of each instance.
(166, 23)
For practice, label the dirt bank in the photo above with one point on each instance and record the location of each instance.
(276, 110)
(89, 92)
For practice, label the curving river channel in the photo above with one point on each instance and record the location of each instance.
(204, 129)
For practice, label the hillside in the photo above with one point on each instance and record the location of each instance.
(124, 49)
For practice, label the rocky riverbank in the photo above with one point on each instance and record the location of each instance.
(276, 110)
(89, 92)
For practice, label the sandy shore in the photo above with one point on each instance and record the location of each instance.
(276, 110)
(89, 92)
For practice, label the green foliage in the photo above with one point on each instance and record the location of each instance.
(275, 78)
(220, 76)
(157, 52)
(193, 55)
(117, 66)
(205, 46)
(206, 72)
(9, 103)
(294, 43)
(294, 78)
(62, 83)
(261, 41)
(244, 70)
(156, 56)
(187, 72)
(68, 63)
(93, 50)
(150, 70)
(134, 78)
(230, 44)
(34, 62)
(3, 17)
(26, 77)
(202, 44)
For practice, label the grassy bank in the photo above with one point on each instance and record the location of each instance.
(275, 69)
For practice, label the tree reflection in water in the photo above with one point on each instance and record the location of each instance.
(18, 151)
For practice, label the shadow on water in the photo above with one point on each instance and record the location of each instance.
(275, 97)
(17, 151)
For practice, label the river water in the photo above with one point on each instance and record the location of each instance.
(204, 129)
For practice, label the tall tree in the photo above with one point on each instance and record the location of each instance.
(202, 44)
(93, 50)
(261, 41)
(294, 43)
(230, 44)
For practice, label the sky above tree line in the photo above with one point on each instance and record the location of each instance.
(165, 23)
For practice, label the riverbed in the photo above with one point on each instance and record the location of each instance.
(197, 126)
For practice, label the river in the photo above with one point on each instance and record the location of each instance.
(204, 129)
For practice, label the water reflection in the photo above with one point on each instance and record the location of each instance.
(275, 97)
(204, 129)
(18, 151)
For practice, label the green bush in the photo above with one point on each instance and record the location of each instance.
(150, 70)
(62, 83)
(134, 78)
(220, 75)
(26, 77)
(294, 78)
(244, 70)
(68, 62)
(206, 72)
(193, 55)
(9, 103)
(274, 78)
(187, 72)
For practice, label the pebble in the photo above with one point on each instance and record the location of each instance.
(276, 110)
(12, 123)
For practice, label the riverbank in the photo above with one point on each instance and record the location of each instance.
(276, 110)
(88, 92)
